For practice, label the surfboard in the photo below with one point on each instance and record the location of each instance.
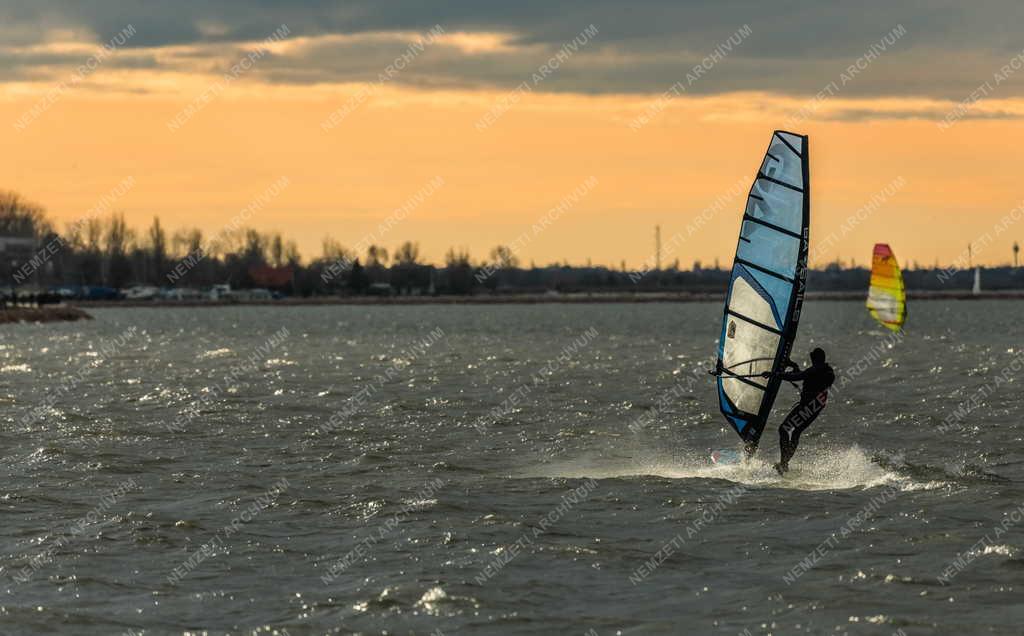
(766, 287)
(726, 457)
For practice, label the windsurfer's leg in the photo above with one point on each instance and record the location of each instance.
(798, 420)
(789, 434)
(749, 448)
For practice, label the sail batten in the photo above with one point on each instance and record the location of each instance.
(766, 289)
(887, 296)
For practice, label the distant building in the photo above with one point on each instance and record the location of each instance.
(272, 277)
(15, 251)
(17, 246)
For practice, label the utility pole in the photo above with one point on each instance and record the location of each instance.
(1016, 250)
(657, 247)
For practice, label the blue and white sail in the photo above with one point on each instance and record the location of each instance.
(766, 289)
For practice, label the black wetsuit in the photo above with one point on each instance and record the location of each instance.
(813, 397)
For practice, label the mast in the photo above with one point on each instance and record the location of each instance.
(657, 246)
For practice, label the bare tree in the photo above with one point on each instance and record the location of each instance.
(458, 273)
(118, 236)
(255, 247)
(458, 258)
(158, 247)
(21, 217)
(93, 235)
(504, 258)
(408, 253)
(292, 256)
(90, 257)
(277, 250)
(187, 241)
(335, 252)
(74, 237)
(119, 239)
(229, 242)
(376, 256)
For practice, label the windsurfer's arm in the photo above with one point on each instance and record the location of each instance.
(791, 376)
(795, 374)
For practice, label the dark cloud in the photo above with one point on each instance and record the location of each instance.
(928, 114)
(795, 47)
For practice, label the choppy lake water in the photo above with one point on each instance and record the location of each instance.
(530, 469)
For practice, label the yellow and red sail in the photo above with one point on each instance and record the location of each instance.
(887, 297)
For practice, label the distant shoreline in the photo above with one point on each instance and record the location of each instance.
(531, 299)
(42, 314)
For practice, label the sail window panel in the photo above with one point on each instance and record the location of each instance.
(776, 205)
(783, 164)
(747, 301)
(748, 343)
(778, 291)
(746, 398)
(796, 142)
(768, 248)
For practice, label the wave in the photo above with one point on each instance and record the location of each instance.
(818, 469)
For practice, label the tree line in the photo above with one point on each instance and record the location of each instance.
(106, 251)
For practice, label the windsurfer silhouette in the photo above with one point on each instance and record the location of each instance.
(816, 379)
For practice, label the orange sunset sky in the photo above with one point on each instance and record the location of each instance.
(937, 109)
